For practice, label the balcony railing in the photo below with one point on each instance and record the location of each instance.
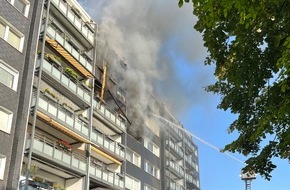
(106, 176)
(178, 132)
(107, 144)
(70, 121)
(74, 19)
(52, 151)
(175, 147)
(108, 114)
(173, 185)
(60, 38)
(63, 79)
(176, 167)
(192, 179)
(191, 162)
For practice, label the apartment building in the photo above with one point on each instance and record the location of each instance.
(63, 110)
(73, 140)
(18, 39)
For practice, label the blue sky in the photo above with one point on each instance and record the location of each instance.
(218, 171)
(170, 54)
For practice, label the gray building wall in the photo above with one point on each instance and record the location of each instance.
(145, 154)
(11, 145)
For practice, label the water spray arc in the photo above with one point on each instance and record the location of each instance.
(197, 138)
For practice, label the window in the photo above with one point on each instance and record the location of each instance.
(151, 169)
(132, 183)
(133, 157)
(5, 120)
(8, 75)
(151, 146)
(2, 166)
(21, 5)
(147, 187)
(11, 35)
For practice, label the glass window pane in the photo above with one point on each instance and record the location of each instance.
(73, 86)
(57, 154)
(89, 66)
(59, 38)
(13, 39)
(62, 7)
(82, 60)
(5, 121)
(47, 66)
(52, 109)
(129, 156)
(67, 46)
(48, 149)
(6, 78)
(75, 53)
(78, 23)
(91, 36)
(69, 121)
(70, 15)
(87, 97)
(61, 115)
(2, 30)
(83, 166)
(42, 104)
(85, 130)
(55, 1)
(64, 80)
(20, 5)
(51, 31)
(85, 31)
(78, 126)
(80, 92)
(75, 162)
(56, 73)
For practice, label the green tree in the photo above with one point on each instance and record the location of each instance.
(249, 43)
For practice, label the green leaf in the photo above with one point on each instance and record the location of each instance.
(180, 3)
(249, 44)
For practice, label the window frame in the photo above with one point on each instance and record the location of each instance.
(2, 166)
(136, 158)
(9, 27)
(26, 8)
(155, 149)
(134, 180)
(13, 72)
(9, 122)
(148, 187)
(156, 170)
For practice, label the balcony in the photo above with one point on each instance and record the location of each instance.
(106, 113)
(72, 87)
(106, 176)
(176, 132)
(73, 16)
(176, 168)
(108, 144)
(177, 149)
(190, 163)
(51, 150)
(59, 42)
(68, 120)
(171, 185)
(191, 179)
(189, 146)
